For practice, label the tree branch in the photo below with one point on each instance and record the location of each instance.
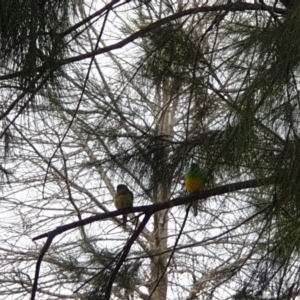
(124, 254)
(151, 209)
(38, 265)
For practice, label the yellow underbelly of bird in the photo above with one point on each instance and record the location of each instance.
(123, 201)
(193, 185)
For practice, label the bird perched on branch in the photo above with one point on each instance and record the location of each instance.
(123, 199)
(194, 183)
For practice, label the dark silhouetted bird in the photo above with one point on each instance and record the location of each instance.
(123, 199)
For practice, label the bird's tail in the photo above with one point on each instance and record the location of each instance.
(124, 220)
(195, 208)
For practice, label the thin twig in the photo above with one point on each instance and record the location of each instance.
(80, 99)
(172, 253)
(126, 249)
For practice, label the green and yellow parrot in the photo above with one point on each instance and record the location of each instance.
(123, 199)
(194, 182)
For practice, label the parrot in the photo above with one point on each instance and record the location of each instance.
(194, 182)
(123, 199)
